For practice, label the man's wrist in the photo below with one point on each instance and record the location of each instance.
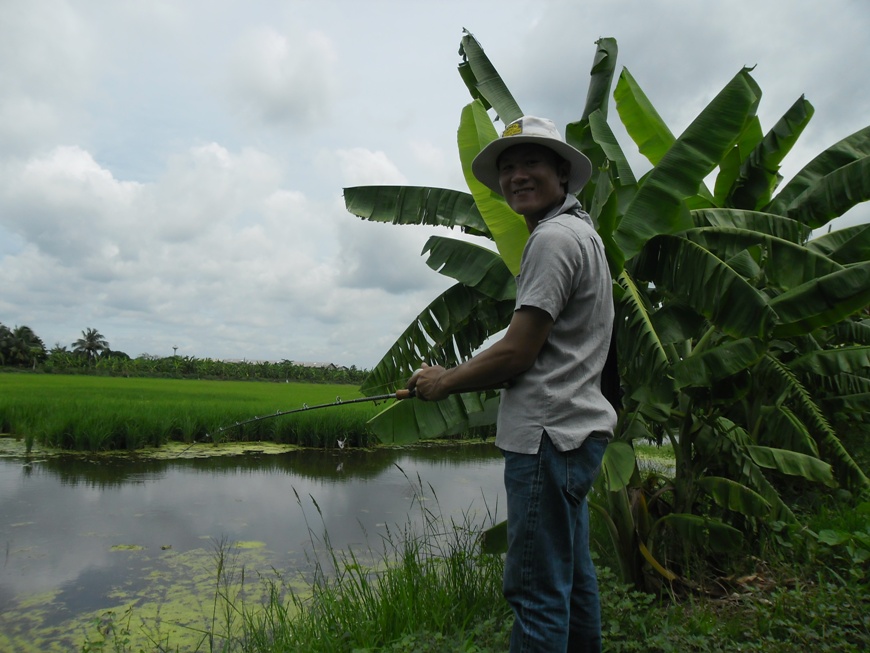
(444, 386)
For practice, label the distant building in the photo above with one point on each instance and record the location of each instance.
(322, 366)
(308, 364)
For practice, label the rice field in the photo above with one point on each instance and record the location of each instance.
(92, 413)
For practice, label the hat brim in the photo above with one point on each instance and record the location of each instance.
(485, 165)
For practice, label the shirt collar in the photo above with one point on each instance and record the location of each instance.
(570, 205)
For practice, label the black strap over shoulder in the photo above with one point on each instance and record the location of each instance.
(611, 387)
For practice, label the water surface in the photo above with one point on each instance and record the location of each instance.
(82, 537)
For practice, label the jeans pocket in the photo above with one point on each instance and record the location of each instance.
(584, 464)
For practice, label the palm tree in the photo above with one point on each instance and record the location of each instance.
(91, 344)
(20, 346)
(27, 347)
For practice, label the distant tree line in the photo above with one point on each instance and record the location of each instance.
(20, 347)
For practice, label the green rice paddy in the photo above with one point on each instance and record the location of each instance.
(91, 413)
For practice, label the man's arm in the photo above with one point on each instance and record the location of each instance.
(512, 355)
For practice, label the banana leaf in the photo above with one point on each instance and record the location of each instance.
(707, 367)
(847, 393)
(409, 420)
(829, 444)
(695, 277)
(746, 263)
(471, 265)
(601, 77)
(416, 205)
(659, 205)
(850, 149)
(605, 214)
(641, 120)
(759, 173)
(848, 333)
(729, 167)
(606, 140)
(833, 195)
(655, 564)
(793, 464)
(643, 359)
(785, 430)
(786, 264)
(618, 465)
(766, 223)
(732, 441)
(831, 362)
(447, 331)
(484, 82)
(675, 323)
(845, 246)
(579, 133)
(822, 301)
(703, 532)
(493, 540)
(507, 228)
(735, 497)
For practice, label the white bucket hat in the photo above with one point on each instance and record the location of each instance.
(530, 129)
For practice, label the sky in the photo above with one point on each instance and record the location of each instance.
(171, 171)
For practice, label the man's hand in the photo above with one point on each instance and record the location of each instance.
(493, 367)
(427, 383)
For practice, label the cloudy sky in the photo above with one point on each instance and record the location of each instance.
(171, 171)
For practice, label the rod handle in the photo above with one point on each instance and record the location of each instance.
(405, 394)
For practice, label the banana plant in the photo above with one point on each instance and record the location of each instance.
(727, 312)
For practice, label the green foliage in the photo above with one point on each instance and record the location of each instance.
(20, 347)
(427, 587)
(91, 344)
(846, 544)
(483, 81)
(726, 312)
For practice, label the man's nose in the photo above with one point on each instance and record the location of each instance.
(519, 172)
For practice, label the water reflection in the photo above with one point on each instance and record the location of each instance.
(85, 533)
(332, 466)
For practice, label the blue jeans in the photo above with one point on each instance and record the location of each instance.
(549, 577)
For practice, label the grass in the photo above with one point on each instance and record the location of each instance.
(92, 413)
(428, 583)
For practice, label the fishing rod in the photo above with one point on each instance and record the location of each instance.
(399, 394)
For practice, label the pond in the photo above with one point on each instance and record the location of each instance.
(141, 537)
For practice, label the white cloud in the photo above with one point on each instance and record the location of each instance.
(440, 163)
(215, 248)
(134, 200)
(49, 65)
(361, 167)
(68, 206)
(207, 186)
(288, 79)
(25, 121)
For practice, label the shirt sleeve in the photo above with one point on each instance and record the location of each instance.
(551, 268)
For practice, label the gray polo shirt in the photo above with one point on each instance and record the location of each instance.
(564, 272)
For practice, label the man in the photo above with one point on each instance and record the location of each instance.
(553, 423)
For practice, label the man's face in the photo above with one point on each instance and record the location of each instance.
(532, 179)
